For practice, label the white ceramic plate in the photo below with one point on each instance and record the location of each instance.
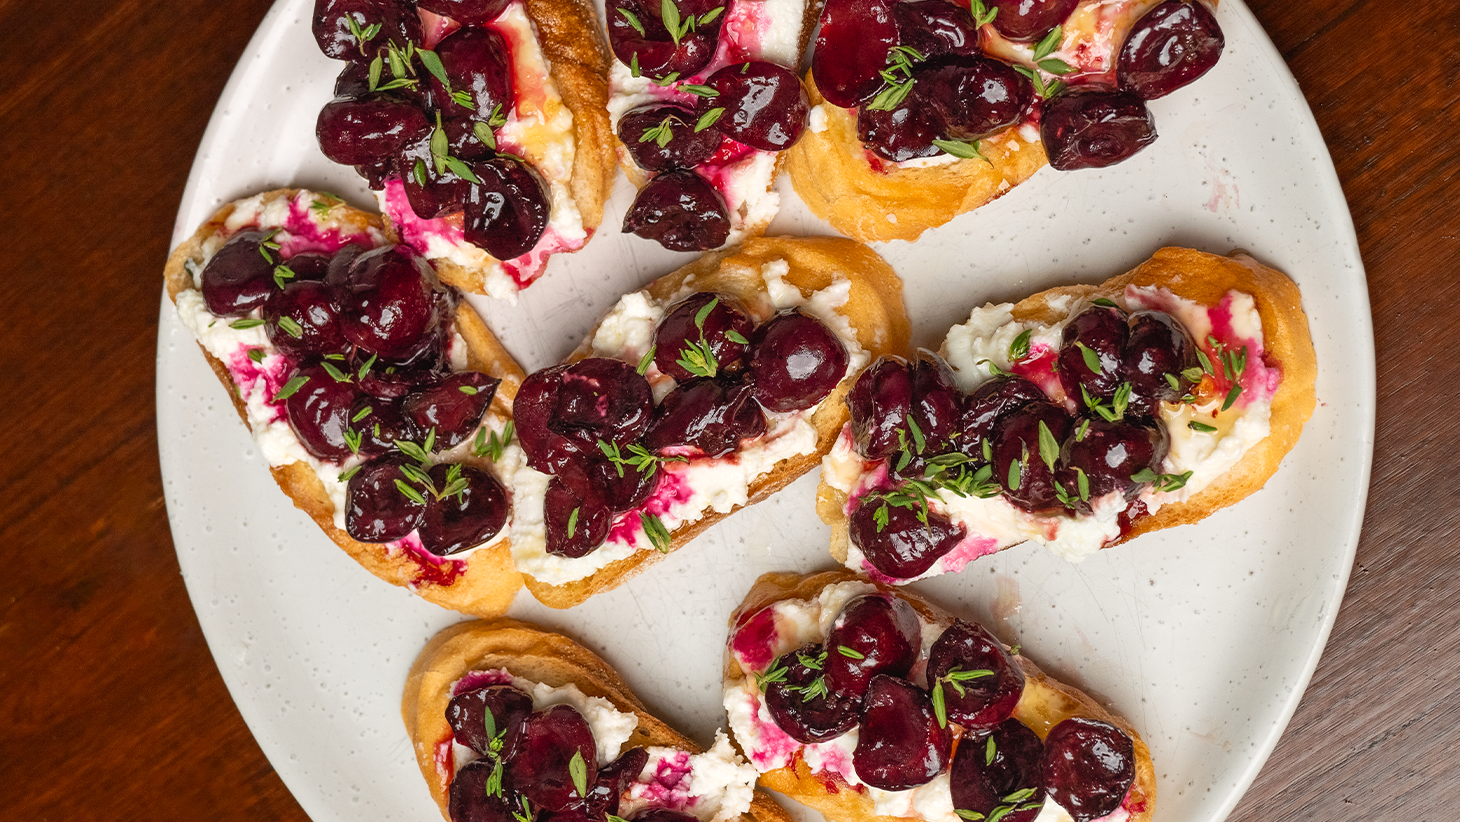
(1203, 636)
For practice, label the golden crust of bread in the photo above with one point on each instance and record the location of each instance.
(533, 654)
(1204, 279)
(874, 308)
(1045, 703)
(831, 173)
(490, 581)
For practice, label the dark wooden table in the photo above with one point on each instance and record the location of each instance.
(111, 707)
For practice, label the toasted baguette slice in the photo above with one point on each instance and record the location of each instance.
(874, 309)
(533, 654)
(484, 582)
(1044, 703)
(1204, 279)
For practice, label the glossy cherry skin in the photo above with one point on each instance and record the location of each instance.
(800, 708)
(880, 402)
(906, 546)
(467, 12)
(1094, 127)
(430, 192)
(550, 741)
(454, 407)
(986, 700)
(1026, 20)
(467, 518)
(309, 265)
(936, 28)
(468, 800)
(380, 423)
(712, 415)
(1169, 47)
(398, 20)
(623, 491)
(851, 48)
(684, 148)
(602, 399)
(1158, 345)
(375, 508)
(533, 409)
(467, 711)
(574, 523)
(238, 278)
(1088, 767)
(726, 329)
(900, 745)
(613, 781)
(1102, 330)
(508, 211)
(1109, 454)
(301, 321)
(975, 97)
(904, 133)
(356, 132)
(1018, 440)
(874, 634)
(795, 361)
(479, 62)
(654, 50)
(394, 381)
(388, 303)
(319, 412)
(765, 105)
(988, 405)
(937, 406)
(989, 767)
(680, 211)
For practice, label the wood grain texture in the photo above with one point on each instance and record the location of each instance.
(110, 705)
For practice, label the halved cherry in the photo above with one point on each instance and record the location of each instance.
(337, 22)
(238, 278)
(795, 361)
(801, 703)
(1091, 350)
(467, 12)
(380, 424)
(680, 211)
(556, 743)
(1026, 451)
(376, 507)
(981, 682)
(1169, 47)
(470, 801)
(431, 191)
(599, 398)
(1156, 360)
(900, 745)
(936, 28)
(301, 320)
(464, 516)
(508, 211)
(1026, 20)
(693, 324)
(987, 406)
(762, 105)
(509, 708)
(937, 406)
(368, 130)
(974, 96)
(388, 303)
(1094, 127)
(712, 415)
(874, 634)
(663, 137)
(1000, 768)
(899, 543)
(640, 38)
(574, 524)
(318, 410)
(904, 132)
(851, 49)
(1088, 767)
(454, 407)
(880, 402)
(478, 64)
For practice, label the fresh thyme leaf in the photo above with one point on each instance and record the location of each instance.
(971, 816)
(982, 15)
(919, 442)
(1014, 470)
(293, 329)
(329, 367)
(1104, 302)
(362, 413)
(572, 523)
(776, 673)
(1019, 796)
(1232, 396)
(376, 66)
(1192, 374)
(578, 769)
(709, 16)
(1019, 348)
(850, 653)
(1054, 65)
(283, 274)
(365, 368)
(892, 96)
(993, 368)
(468, 389)
(463, 98)
(656, 532)
(989, 751)
(256, 354)
(709, 117)
(484, 135)
(243, 325)
(1082, 429)
(645, 361)
(290, 387)
(412, 450)
(698, 91)
(1201, 426)
(1048, 45)
(1092, 360)
(1206, 364)
(432, 62)
(461, 169)
(1082, 482)
(736, 337)
(961, 150)
(1049, 448)
(409, 492)
(497, 119)
(669, 15)
(350, 472)
(940, 707)
(633, 21)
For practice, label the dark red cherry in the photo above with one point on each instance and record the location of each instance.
(800, 702)
(874, 634)
(623, 487)
(466, 517)
(974, 96)
(467, 12)
(936, 28)
(507, 212)
(464, 140)
(851, 49)
(959, 655)
(724, 327)
(763, 105)
(454, 407)
(357, 132)
(664, 137)
(1093, 127)
(338, 273)
(1090, 355)
(388, 303)
(680, 211)
(574, 524)
(1169, 47)
(469, 801)
(1088, 767)
(638, 36)
(430, 192)
(509, 708)
(989, 768)
(301, 321)
(614, 780)
(238, 278)
(336, 36)
(319, 411)
(553, 739)
(1109, 455)
(478, 62)
(937, 406)
(534, 408)
(376, 509)
(1157, 356)
(602, 399)
(987, 406)
(353, 80)
(309, 265)
(1025, 20)
(393, 382)
(713, 415)
(380, 423)
(902, 546)
(1026, 450)
(904, 133)
(900, 745)
(795, 361)
(880, 401)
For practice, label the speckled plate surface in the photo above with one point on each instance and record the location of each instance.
(1203, 636)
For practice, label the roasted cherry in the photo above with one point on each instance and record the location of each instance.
(394, 381)
(1025, 20)
(680, 211)
(1093, 127)
(476, 61)
(309, 265)
(474, 512)
(904, 133)
(959, 656)
(1169, 47)
(509, 708)
(574, 524)
(388, 303)
(936, 28)
(553, 739)
(469, 800)
(1026, 450)
(795, 361)
(1109, 455)
(335, 35)
(937, 406)
(1088, 767)
(1157, 356)
(680, 337)
(380, 423)
(507, 212)
(639, 38)
(902, 546)
(880, 401)
(899, 744)
(763, 105)
(613, 782)
(301, 321)
(874, 634)
(990, 769)
(987, 406)
(454, 407)
(1090, 353)
(376, 509)
(713, 415)
(852, 45)
(238, 277)
(534, 408)
(357, 132)
(431, 192)
(975, 97)
(800, 702)
(602, 399)
(467, 12)
(663, 137)
(623, 487)
(319, 411)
